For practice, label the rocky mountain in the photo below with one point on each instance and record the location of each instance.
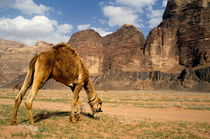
(180, 43)
(182, 38)
(88, 45)
(15, 57)
(121, 49)
(175, 54)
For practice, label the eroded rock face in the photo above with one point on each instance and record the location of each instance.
(121, 49)
(161, 50)
(88, 46)
(182, 38)
(14, 59)
(42, 45)
(194, 34)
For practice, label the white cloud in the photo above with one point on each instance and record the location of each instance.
(128, 12)
(120, 15)
(153, 22)
(164, 3)
(155, 17)
(137, 12)
(25, 6)
(64, 28)
(101, 31)
(155, 13)
(83, 27)
(136, 3)
(31, 30)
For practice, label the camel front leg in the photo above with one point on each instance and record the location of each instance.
(78, 110)
(75, 102)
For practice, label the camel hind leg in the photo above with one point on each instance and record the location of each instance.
(27, 83)
(41, 75)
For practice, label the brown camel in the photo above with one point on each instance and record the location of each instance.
(63, 65)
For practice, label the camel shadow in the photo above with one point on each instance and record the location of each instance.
(46, 115)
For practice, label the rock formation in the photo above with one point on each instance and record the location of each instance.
(88, 46)
(15, 58)
(121, 49)
(183, 37)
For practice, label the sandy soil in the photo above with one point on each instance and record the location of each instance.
(130, 112)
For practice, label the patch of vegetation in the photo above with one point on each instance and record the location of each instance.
(54, 100)
(54, 124)
(5, 97)
(199, 108)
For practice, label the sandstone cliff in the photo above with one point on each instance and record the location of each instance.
(121, 49)
(14, 59)
(182, 38)
(88, 45)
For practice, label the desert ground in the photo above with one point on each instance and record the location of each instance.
(126, 114)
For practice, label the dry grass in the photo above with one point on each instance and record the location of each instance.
(147, 99)
(55, 124)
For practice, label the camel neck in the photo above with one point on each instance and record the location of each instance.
(91, 95)
(90, 90)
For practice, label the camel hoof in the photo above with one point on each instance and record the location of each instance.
(78, 118)
(96, 116)
(72, 120)
(13, 123)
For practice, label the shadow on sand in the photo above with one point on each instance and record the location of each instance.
(46, 115)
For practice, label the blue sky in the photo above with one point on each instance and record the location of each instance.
(54, 21)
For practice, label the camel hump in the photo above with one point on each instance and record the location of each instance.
(63, 44)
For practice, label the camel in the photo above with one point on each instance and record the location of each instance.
(62, 64)
(16, 87)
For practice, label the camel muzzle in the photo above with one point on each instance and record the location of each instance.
(99, 110)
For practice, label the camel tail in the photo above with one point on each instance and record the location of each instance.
(30, 74)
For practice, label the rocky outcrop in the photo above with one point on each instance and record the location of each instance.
(182, 38)
(15, 58)
(187, 79)
(42, 45)
(194, 34)
(6, 43)
(88, 45)
(121, 49)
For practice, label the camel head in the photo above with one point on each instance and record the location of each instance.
(96, 105)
